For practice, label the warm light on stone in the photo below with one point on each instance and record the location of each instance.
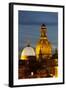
(39, 62)
(27, 51)
(56, 71)
(43, 46)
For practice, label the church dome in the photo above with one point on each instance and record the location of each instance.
(26, 52)
(45, 49)
(43, 46)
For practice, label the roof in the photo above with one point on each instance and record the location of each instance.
(28, 51)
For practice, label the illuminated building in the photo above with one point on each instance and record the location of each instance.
(43, 46)
(26, 52)
(27, 62)
(39, 62)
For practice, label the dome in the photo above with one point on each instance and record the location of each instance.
(43, 46)
(27, 51)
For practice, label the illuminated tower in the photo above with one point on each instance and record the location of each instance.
(43, 44)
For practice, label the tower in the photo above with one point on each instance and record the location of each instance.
(43, 44)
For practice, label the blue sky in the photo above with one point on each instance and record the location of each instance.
(29, 27)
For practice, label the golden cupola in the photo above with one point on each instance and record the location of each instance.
(43, 47)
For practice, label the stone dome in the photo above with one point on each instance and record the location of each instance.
(27, 51)
(43, 46)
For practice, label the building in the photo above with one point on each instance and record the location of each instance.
(39, 63)
(43, 46)
(27, 62)
(26, 52)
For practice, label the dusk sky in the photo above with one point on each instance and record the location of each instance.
(29, 27)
